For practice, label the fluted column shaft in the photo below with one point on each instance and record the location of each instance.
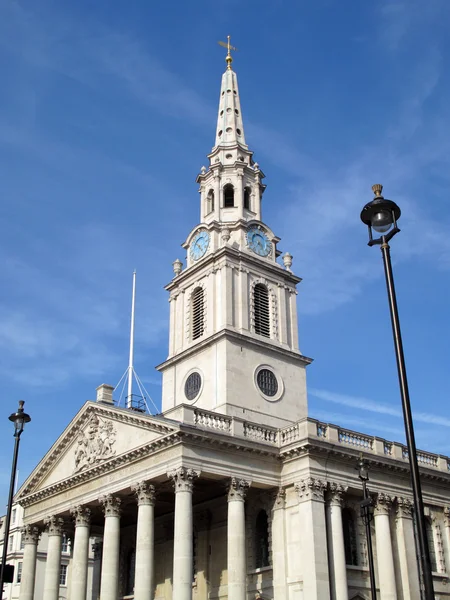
(109, 583)
(30, 536)
(78, 584)
(237, 568)
(183, 559)
(145, 535)
(54, 527)
(279, 547)
(385, 557)
(336, 546)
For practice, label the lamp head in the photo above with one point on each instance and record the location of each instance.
(19, 419)
(363, 468)
(381, 215)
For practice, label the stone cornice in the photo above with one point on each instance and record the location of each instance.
(239, 256)
(114, 413)
(239, 338)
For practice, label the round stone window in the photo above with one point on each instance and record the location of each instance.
(192, 386)
(267, 382)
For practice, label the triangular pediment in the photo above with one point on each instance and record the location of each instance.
(98, 438)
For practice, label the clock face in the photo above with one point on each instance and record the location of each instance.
(199, 244)
(258, 241)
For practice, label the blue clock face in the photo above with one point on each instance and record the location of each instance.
(258, 241)
(199, 245)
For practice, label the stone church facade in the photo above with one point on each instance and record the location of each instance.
(232, 492)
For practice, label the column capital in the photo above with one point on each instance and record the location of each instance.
(335, 493)
(30, 534)
(383, 503)
(404, 508)
(237, 489)
(311, 489)
(111, 505)
(81, 516)
(145, 493)
(183, 479)
(54, 525)
(447, 516)
(279, 498)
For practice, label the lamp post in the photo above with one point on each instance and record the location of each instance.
(19, 419)
(367, 516)
(382, 215)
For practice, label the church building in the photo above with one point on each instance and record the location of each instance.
(232, 492)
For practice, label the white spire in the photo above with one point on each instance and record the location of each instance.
(230, 126)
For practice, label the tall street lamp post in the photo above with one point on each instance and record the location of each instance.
(367, 516)
(19, 419)
(381, 215)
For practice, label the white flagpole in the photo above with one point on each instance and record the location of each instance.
(130, 364)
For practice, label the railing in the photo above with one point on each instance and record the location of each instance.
(289, 434)
(355, 439)
(260, 433)
(307, 428)
(212, 420)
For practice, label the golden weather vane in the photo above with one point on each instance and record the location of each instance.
(229, 48)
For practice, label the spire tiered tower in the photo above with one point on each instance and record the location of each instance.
(233, 340)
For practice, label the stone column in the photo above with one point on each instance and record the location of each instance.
(279, 546)
(217, 195)
(236, 557)
(145, 535)
(409, 574)
(385, 557)
(54, 526)
(312, 522)
(30, 537)
(109, 585)
(183, 559)
(78, 584)
(336, 546)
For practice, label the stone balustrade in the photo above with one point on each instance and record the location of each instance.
(307, 428)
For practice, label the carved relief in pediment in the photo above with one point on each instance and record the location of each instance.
(95, 444)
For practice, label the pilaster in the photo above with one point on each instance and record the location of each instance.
(279, 566)
(310, 493)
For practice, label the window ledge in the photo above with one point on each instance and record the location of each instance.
(259, 570)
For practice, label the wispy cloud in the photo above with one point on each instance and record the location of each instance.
(368, 405)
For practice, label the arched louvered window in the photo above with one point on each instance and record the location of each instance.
(261, 540)
(261, 310)
(431, 547)
(198, 313)
(247, 198)
(350, 545)
(228, 196)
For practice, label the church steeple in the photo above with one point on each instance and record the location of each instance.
(233, 342)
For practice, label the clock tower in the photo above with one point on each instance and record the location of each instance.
(233, 340)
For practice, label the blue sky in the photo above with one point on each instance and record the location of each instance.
(107, 112)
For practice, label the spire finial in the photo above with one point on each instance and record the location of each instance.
(229, 47)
